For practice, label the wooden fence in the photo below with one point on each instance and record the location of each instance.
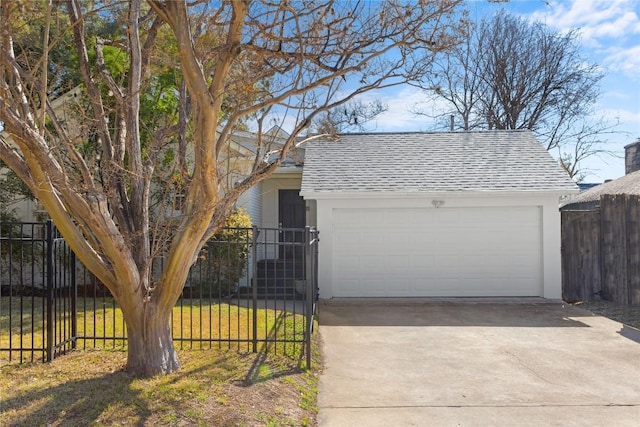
(601, 251)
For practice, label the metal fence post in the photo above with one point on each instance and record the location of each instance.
(316, 288)
(74, 300)
(50, 327)
(254, 287)
(308, 292)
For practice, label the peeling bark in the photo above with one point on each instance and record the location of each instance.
(150, 344)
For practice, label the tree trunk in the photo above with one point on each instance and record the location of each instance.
(150, 345)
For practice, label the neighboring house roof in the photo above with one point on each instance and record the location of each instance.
(628, 184)
(584, 186)
(432, 162)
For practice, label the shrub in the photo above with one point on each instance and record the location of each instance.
(223, 260)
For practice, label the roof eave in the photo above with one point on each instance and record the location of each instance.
(327, 194)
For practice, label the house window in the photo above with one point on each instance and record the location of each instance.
(176, 204)
(178, 201)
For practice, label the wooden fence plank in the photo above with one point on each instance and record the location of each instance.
(632, 210)
(580, 255)
(614, 248)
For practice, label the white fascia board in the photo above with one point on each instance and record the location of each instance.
(241, 150)
(282, 170)
(328, 195)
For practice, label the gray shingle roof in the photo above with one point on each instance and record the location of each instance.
(628, 184)
(432, 162)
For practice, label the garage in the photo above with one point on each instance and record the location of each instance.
(437, 252)
(468, 214)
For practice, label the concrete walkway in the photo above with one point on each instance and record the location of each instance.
(527, 362)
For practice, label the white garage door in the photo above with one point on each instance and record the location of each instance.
(437, 252)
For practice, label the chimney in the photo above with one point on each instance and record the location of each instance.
(632, 157)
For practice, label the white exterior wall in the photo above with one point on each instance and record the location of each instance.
(552, 244)
(25, 210)
(547, 203)
(251, 202)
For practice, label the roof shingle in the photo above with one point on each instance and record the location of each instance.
(432, 162)
(628, 184)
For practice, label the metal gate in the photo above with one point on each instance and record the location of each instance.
(38, 300)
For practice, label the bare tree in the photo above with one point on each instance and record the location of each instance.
(232, 62)
(457, 79)
(352, 115)
(514, 74)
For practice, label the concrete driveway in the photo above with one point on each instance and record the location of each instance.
(521, 362)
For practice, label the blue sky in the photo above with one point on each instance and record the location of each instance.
(610, 37)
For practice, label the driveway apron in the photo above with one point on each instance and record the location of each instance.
(475, 362)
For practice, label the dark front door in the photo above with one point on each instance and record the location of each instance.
(292, 213)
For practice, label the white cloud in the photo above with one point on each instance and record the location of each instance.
(626, 60)
(610, 28)
(627, 121)
(596, 19)
(619, 26)
(400, 116)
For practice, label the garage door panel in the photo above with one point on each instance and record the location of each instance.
(375, 287)
(348, 241)
(371, 239)
(371, 263)
(346, 217)
(396, 241)
(349, 266)
(373, 220)
(421, 264)
(447, 287)
(351, 287)
(398, 265)
(403, 217)
(437, 252)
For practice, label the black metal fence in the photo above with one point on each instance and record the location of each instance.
(253, 289)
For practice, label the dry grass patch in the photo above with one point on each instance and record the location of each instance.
(214, 388)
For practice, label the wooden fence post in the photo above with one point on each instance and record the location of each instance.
(581, 266)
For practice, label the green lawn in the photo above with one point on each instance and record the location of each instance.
(99, 321)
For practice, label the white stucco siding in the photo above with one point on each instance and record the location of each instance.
(251, 202)
(473, 245)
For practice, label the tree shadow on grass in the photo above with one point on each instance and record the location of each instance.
(118, 397)
(261, 369)
(113, 397)
(77, 402)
